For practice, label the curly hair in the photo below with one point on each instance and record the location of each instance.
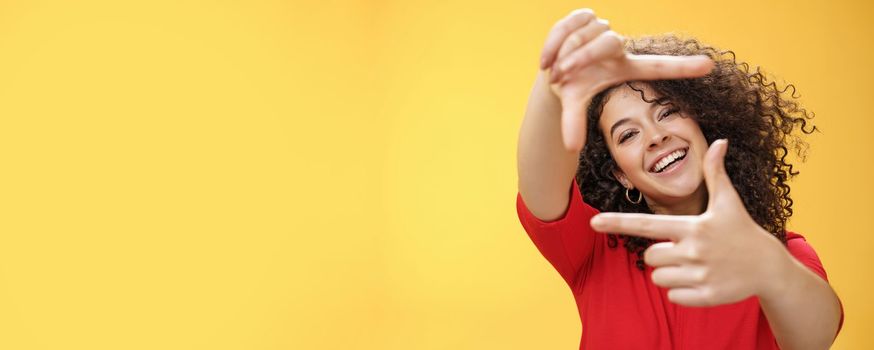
(734, 102)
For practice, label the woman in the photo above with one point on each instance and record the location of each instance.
(689, 146)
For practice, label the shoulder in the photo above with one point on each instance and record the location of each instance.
(796, 243)
(804, 252)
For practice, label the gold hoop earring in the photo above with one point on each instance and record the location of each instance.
(628, 197)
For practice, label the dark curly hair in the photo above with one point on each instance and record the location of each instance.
(734, 102)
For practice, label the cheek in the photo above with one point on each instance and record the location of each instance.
(689, 127)
(628, 161)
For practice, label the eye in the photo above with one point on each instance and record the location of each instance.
(626, 135)
(668, 112)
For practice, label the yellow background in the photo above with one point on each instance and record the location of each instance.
(339, 174)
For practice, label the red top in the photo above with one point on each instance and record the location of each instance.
(621, 308)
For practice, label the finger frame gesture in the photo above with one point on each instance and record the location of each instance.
(720, 256)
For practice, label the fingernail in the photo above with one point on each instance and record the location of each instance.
(596, 221)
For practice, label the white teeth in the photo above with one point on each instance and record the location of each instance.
(661, 164)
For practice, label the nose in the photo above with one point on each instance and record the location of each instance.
(659, 137)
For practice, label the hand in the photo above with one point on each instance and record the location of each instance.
(586, 57)
(719, 257)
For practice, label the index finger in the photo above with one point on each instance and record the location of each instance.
(654, 67)
(672, 227)
(559, 33)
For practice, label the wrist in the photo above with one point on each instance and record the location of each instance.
(544, 90)
(779, 271)
(543, 104)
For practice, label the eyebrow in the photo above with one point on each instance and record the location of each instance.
(618, 124)
(626, 120)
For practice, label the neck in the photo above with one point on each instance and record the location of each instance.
(695, 204)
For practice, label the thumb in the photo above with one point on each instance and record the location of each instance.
(573, 124)
(718, 183)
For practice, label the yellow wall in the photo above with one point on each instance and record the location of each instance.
(337, 174)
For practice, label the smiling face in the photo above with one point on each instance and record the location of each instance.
(658, 149)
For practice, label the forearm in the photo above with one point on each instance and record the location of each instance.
(802, 309)
(545, 166)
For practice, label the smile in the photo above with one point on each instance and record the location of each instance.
(669, 161)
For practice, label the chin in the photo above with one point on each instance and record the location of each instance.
(675, 195)
(677, 189)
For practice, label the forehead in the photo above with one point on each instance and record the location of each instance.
(625, 102)
(624, 98)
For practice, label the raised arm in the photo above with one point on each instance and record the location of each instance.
(545, 166)
(580, 58)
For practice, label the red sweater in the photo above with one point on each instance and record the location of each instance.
(621, 308)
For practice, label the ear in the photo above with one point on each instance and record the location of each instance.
(620, 176)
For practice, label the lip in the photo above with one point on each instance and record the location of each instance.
(664, 154)
(673, 168)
